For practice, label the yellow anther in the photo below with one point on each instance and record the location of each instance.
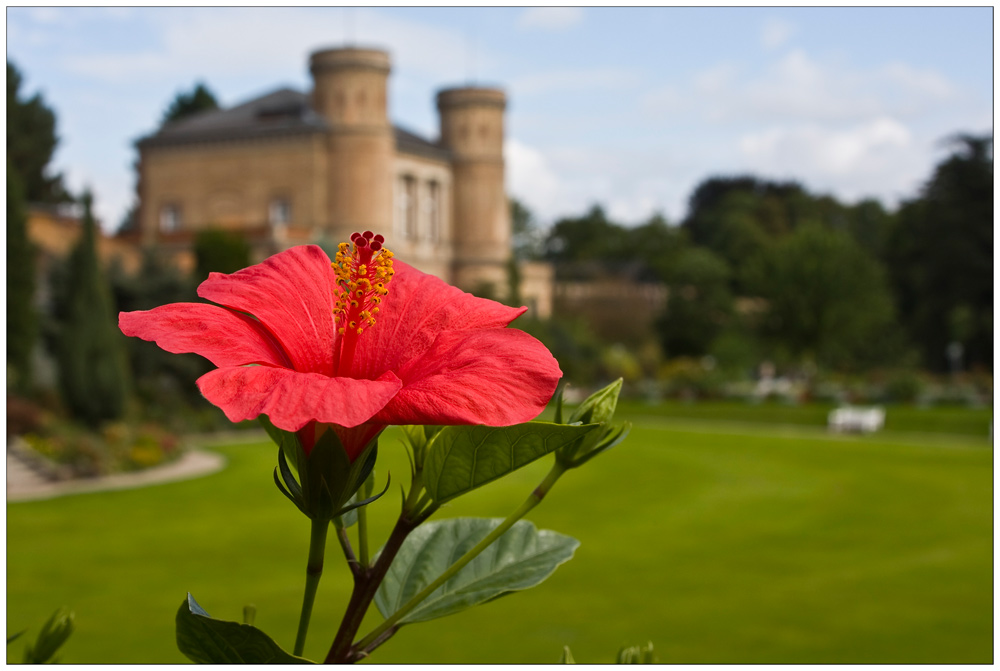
(361, 275)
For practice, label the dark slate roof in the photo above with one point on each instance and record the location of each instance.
(279, 113)
(411, 143)
(282, 112)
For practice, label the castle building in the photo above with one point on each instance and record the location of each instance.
(289, 168)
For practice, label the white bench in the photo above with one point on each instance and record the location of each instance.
(862, 420)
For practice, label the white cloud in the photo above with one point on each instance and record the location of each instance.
(716, 79)
(630, 184)
(796, 87)
(775, 33)
(875, 157)
(267, 43)
(46, 15)
(531, 178)
(550, 18)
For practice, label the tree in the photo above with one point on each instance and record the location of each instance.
(219, 251)
(591, 237)
(827, 299)
(91, 350)
(699, 304)
(31, 140)
(776, 207)
(940, 256)
(528, 239)
(161, 378)
(200, 99)
(22, 321)
(656, 244)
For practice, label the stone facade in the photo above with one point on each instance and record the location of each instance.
(290, 168)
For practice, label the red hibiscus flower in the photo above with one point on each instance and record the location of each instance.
(353, 346)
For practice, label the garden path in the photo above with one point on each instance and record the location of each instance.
(25, 484)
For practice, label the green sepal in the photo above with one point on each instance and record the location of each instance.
(327, 479)
(205, 640)
(351, 506)
(559, 410)
(290, 488)
(599, 407)
(418, 439)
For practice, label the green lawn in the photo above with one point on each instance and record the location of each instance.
(720, 543)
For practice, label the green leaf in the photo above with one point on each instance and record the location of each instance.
(14, 637)
(521, 558)
(205, 640)
(567, 656)
(462, 458)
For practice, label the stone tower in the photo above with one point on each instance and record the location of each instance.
(472, 129)
(349, 90)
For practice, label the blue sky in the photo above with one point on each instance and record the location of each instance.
(630, 108)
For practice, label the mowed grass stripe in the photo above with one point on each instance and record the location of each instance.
(717, 546)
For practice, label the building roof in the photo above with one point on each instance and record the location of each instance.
(279, 113)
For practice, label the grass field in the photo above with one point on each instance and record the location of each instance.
(720, 542)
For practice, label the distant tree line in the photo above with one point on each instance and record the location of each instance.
(764, 269)
(98, 370)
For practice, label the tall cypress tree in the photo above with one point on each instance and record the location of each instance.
(22, 320)
(92, 369)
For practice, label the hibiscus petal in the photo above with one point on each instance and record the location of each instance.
(496, 377)
(291, 293)
(224, 337)
(291, 399)
(419, 307)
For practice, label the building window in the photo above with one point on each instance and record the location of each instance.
(279, 213)
(408, 207)
(170, 218)
(433, 211)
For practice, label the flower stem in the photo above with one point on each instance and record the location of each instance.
(365, 644)
(314, 570)
(345, 543)
(363, 526)
(365, 585)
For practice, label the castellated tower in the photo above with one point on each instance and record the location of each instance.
(472, 129)
(349, 90)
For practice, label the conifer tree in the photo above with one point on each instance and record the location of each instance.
(92, 369)
(22, 321)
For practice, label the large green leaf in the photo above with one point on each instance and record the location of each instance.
(462, 458)
(521, 558)
(205, 640)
